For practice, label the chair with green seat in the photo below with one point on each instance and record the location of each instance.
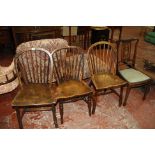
(126, 57)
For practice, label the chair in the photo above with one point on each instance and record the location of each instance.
(28, 33)
(8, 78)
(47, 44)
(34, 68)
(102, 61)
(68, 68)
(127, 51)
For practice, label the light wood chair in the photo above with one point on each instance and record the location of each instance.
(102, 61)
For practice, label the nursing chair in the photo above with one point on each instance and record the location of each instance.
(126, 57)
(68, 68)
(102, 61)
(34, 70)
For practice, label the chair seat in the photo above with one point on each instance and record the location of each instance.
(104, 81)
(72, 88)
(33, 95)
(132, 75)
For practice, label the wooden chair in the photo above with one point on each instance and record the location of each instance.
(102, 61)
(34, 69)
(127, 51)
(68, 68)
(29, 33)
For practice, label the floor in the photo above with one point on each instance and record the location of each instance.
(136, 114)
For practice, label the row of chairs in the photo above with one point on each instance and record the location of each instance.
(36, 67)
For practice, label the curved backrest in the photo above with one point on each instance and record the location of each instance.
(102, 58)
(68, 63)
(127, 50)
(34, 65)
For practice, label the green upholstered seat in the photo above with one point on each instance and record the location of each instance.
(132, 75)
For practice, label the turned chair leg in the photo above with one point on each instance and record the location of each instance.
(61, 111)
(94, 104)
(121, 96)
(54, 116)
(126, 95)
(88, 101)
(19, 117)
(146, 91)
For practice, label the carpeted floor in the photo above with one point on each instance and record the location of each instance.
(136, 114)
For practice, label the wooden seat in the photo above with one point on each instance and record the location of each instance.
(127, 51)
(111, 81)
(35, 75)
(72, 88)
(102, 65)
(68, 68)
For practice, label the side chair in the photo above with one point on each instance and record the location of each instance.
(68, 68)
(126, 57)
(102, 60)
(34, 70)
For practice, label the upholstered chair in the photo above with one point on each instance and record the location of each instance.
(8, 79)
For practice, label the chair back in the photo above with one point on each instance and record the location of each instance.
(102, 58)
(68, 63)
(127, 50)
(34, 65)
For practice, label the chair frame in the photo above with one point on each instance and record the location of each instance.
(93, 63)
(32, 107)
(88, 98)
(132, 60)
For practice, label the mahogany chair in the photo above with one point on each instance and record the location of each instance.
(102, 61)
(34, 70)
(68, 68)
(126, 57)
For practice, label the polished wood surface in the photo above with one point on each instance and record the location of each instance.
(28, 33)
(68, 68)
(102, 60)
(34, 68)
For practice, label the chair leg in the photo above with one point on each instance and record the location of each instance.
(54, 116)
(121, 96)
(146, 91)
(19, 118)
(94, 104)
(127, 94)
(89, 105)
(61, 111)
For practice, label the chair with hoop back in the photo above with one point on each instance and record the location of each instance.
(68, 68)
(34, 69)
(126, 57)
(102, 62)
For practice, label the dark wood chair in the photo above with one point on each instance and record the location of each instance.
(68, 68)
(102, 61)
(126, 57)
(34, 69)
